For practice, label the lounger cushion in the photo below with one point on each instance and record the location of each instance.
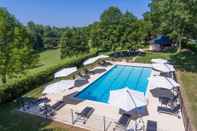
(151, 126)
(58, 105)
(124, 120)
(169, 110)
(87, 112)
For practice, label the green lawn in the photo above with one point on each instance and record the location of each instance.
(189, 83)
(151, 55)
(47, 59)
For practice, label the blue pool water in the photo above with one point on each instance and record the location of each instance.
(118, 77)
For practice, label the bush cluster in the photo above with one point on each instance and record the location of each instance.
(12, 90)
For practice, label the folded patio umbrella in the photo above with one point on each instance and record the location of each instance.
(65, 72)
(94, 59)
(159, 61)
(58, 87)
(127, 99)
(164, 82)
(80, 82)
(98, 70)
(163, 67)
(162, 92)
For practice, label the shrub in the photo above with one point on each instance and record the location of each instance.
(28, 82)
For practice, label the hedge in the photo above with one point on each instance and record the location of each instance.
(11, 91)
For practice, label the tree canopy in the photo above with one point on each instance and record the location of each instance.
(115, 30)
(44, 37)
(73, 41)
(16, 52)
(175, 18)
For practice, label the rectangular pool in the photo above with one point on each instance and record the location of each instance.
(118, 77)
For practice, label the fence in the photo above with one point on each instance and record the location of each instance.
(186, 119)
(95, 122)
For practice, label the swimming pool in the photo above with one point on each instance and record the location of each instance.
(118, 77)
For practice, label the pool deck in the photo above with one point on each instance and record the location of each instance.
(107, 112)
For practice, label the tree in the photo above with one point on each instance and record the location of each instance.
(51, 37)
(36, 32)
(117, 31)
(111, 15)
(15, 47)
(171, 17)
(73, 41)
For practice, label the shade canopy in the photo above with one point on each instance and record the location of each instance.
(65, 72)
(163, 67)
(94, 59)
(127, 99)
(159, 61)
(58, 87)
(162, 92)
(164, 82)
(162, 40)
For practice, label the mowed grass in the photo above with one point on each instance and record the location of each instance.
(47, 59)
(186, 64)
(12, 120)
(152, 55)
(189, 83)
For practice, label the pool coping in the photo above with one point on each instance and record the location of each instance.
(86, 86)
(102, 74)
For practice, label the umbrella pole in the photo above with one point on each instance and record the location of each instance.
(140, 116)
(132, 99)
(134, 103)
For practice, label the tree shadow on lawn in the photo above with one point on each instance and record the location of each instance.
(37, 66)
(185, 61)
(13, 120)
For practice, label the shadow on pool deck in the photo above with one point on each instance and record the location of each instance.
(70, 99)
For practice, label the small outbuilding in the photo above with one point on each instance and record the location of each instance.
(159, 43)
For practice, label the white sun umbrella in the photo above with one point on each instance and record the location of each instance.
(163, 67)
(94, 59)
(159, 61)
(58, 87)
(163, 82)
(98, 67)
(127, 99)
(65, 72)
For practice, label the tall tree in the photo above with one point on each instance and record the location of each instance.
(73, 41)
(36, 32)
(15, 47)
(171, 17)
(111, 15)
(51, 37)
(117, 30)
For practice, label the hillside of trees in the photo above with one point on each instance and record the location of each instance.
(115, 30)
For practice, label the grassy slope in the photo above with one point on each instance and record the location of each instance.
(189, 82)
(11, 120)
(47, 59)
(186, 63)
